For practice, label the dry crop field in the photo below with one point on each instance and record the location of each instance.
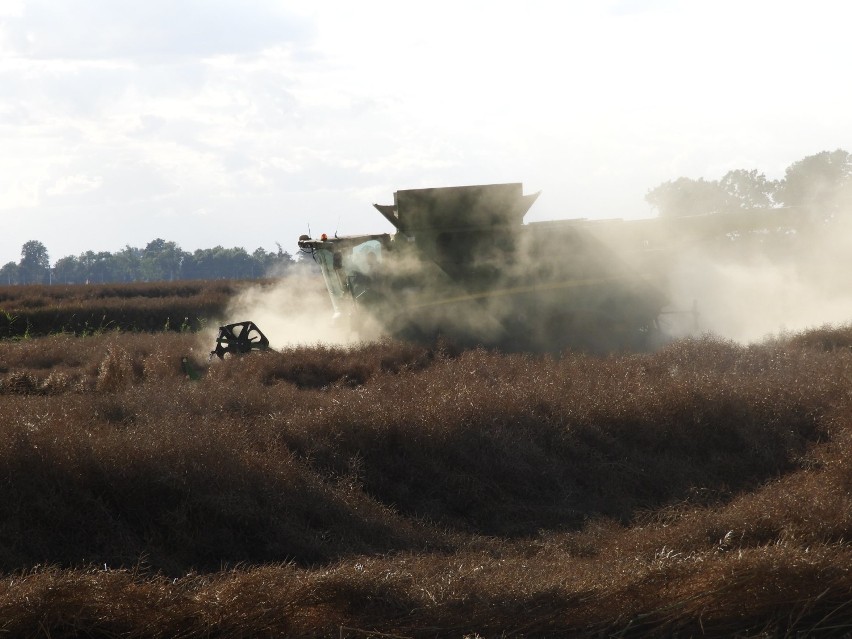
(27, 311)
(393, 490)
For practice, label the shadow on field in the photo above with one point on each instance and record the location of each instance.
(177, 509)
(509, 445)
(387, 448)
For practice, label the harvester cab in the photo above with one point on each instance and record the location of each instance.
(350, 267)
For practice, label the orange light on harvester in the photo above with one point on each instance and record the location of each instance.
(324, 237)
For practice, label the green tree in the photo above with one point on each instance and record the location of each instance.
(35, 263)
(822, 181)
(127, 263)
(9, 274)
(270, 264)
(685, 196)
(161, 260)
(280, 264)
(101, 267)
(747, 189)
(226, 263)
(67, 270)
(239, 264)
(261, 260)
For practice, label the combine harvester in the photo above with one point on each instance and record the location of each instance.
(464, 266)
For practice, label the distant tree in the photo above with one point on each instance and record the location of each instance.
(232, 263)
(101, 267)
(822, 181)
(67, 271)
(161, 260)
(283, 261)
(269, 264)
(208, 264)
(86, 266)
(194, 266)
(261, 261)
(9, 274)
(239, 264)
(747, 189)
(685, 196)
(35, 263)
(127, 264)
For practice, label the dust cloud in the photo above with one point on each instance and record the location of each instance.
(755, 286)
(558, 285)
(294, 311)
(784, 282)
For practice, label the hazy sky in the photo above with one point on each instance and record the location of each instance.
(244, 122)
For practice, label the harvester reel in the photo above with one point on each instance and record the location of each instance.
(239, 338)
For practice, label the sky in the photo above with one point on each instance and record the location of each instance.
(249, 122)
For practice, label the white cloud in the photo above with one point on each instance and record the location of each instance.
(155, 28)
(19, 195)
(12, 9)
(75, 185)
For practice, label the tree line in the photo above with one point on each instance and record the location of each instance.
(160, 260)
(821, 182)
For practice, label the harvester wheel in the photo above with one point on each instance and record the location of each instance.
(239, 338)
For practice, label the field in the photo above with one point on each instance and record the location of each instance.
(393, 490)
(27, 311)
